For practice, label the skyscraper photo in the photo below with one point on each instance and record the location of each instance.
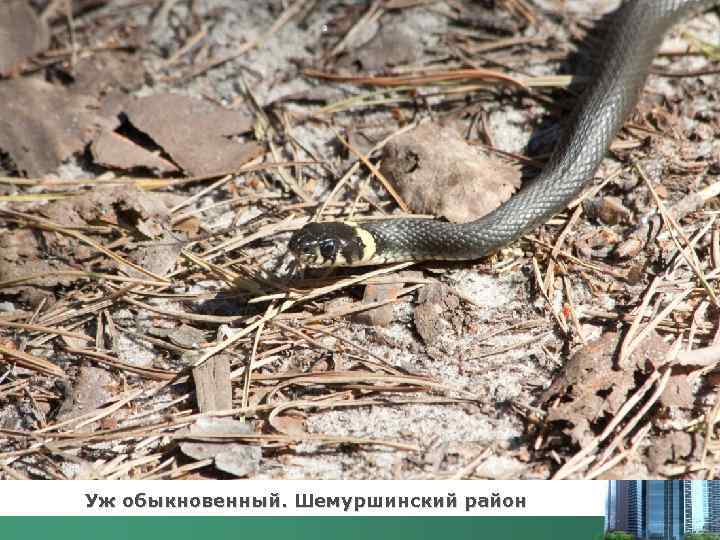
(663, 509)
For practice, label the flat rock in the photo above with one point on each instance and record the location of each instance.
(231, 457)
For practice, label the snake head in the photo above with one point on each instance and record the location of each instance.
(328, 244)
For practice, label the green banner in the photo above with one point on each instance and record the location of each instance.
(302, 528)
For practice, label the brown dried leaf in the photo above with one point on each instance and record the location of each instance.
(113, 150)
(592, 388)
(193, 132)
(436, 172)
(42, 124)
(22, 35)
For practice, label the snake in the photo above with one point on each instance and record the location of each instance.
(635, 33)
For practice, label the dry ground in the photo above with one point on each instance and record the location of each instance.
(157, 156)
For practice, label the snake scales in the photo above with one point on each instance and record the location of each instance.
(635, 34)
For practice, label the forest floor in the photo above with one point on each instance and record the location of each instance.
(157, 155)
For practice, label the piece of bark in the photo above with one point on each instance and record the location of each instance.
(381, 315)
(212, 384)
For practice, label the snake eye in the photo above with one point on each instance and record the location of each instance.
(328, 249)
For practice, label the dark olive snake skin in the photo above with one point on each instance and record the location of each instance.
(635, 34)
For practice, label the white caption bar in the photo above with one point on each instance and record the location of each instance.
(303, 498)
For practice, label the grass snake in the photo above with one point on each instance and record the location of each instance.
(637, 28)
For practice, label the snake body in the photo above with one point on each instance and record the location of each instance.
(636, 32)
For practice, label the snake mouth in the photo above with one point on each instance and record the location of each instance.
(307, 254)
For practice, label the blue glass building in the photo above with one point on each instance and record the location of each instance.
(663, 509)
